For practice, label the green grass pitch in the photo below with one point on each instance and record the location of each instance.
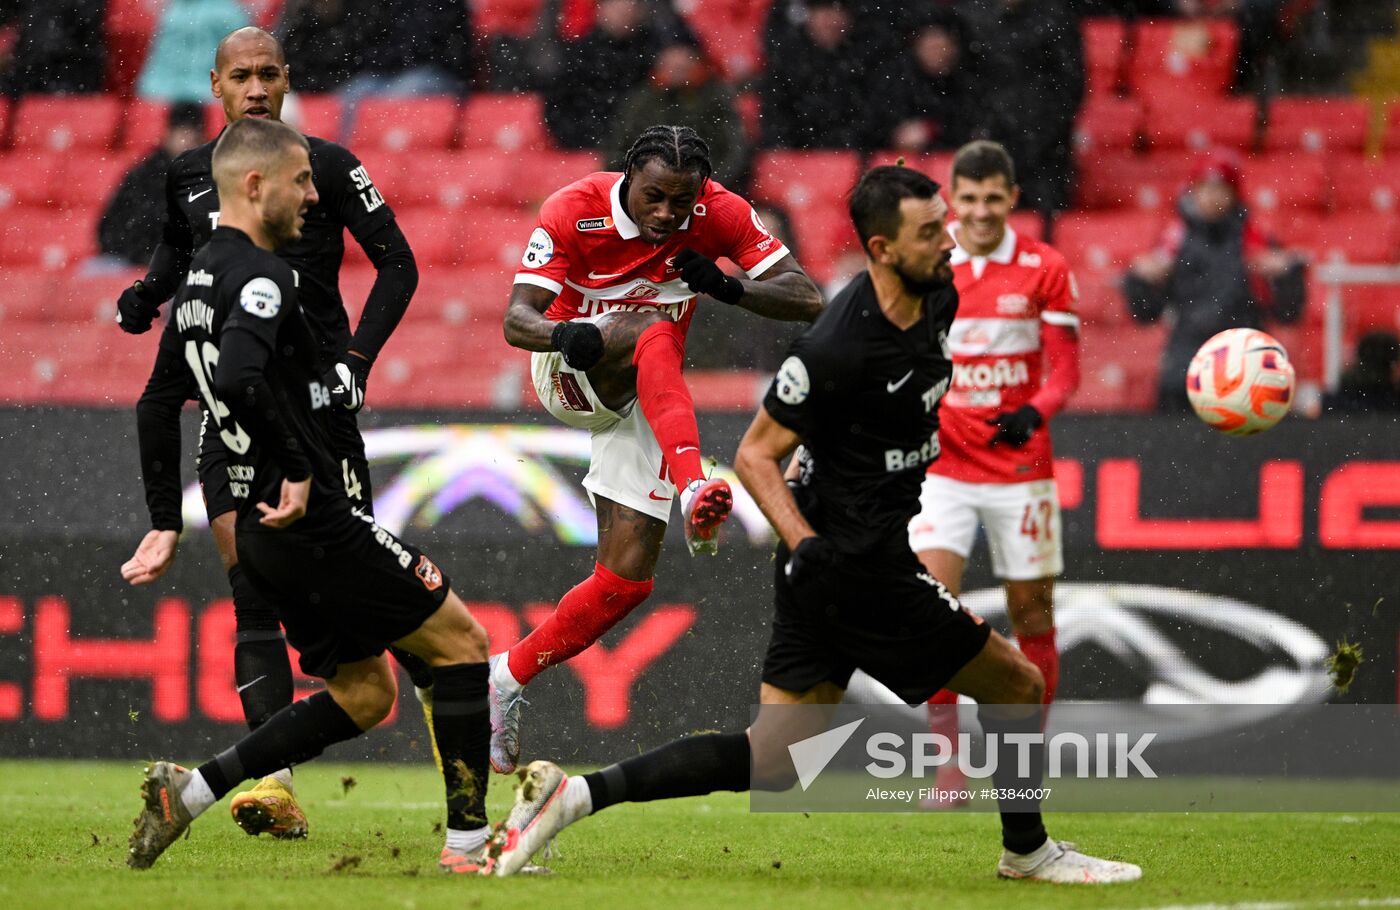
(64, 826)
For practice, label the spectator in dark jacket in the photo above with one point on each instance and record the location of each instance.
(130, 225)
(925, 94)
(1215, 271)
(683, 89)
(813, 92)
(321, 38)
(1029, 67)
(1371, 382)
(60, 47)
(598, 70)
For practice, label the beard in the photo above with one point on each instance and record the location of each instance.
(923, 285)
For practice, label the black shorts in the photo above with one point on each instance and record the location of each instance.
(344, 588)
(880, 613)
(348, 446)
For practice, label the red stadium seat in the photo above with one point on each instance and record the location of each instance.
(1120, 365)
(90, 178)
(1122, 180)
(399, 124)
(66, 364)
(800, 179)
(29, 178)
(1101, 300)
(433, 235)
(938, 165)
(1106, 122)
(1106, 241)
(1027, 224)
(1285, 181)
(142, 124)
(508, 122)
(447, 296)
(1183, 56)
(1348, 236)
(58, 123)
(1104, 38)
(1363, 184)
(46, 238)
(29, 296)
(822, 234)
(476, 177)
(495, 238)
(505, 17)
(1196, 122)
(313, 115)
(730, 34)
(1317, 124)
(129, 27)
(1371, 307)
(750, 108)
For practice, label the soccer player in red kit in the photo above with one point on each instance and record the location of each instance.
(604, 297)
(1015, 347)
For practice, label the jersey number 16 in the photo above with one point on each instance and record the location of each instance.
(203, 367)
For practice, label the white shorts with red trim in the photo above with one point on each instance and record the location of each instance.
(626, 466)
(1022, 521)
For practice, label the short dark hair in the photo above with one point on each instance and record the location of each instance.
(983, 160)
(678, 147)
(874, 202)
(252, 143)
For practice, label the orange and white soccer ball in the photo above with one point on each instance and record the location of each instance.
(1240, 382)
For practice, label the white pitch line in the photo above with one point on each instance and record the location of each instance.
(1287, 905)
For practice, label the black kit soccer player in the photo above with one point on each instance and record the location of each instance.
(251, 78)
(859, 392)
(343, 587)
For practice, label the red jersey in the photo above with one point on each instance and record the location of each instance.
(590, 253)
(1004, 301)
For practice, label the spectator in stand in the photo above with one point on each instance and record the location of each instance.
(60, 47)
(1029, 67)
(407, 48)
(926, 99)
(684, 89)
(814, 94)
(598, 70)
(1215, 270)
(1372, 382)
(131, 222)
(177, 68)
(322, 37)
(879, 30)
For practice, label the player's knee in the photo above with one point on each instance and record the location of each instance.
(370, 703)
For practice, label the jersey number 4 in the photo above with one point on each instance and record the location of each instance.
(202, 360)
(1036, 520)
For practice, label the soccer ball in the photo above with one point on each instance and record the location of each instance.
(1240, 382)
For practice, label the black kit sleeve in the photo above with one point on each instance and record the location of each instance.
(176, 248)
(806, 376)
(170, 385)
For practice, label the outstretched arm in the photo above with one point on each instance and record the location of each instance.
(783, 292)
(759, 466)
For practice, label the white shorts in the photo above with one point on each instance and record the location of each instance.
(626, 466)
(1022, 522)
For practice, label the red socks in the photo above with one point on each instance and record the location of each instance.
(584, 614)
(1040, 650)
(665, 401)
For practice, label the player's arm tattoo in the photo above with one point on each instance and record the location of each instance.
(525, 324)
(759, 466)
(783, 292)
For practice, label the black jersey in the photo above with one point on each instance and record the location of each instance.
(348, 200)
(863, 396)
(273, 423)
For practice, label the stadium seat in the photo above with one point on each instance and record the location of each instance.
(938, 165)
(822, 234)
(129, 26)
(29, 178)
(495, 237)
(1285, 181)
(29, 294)
(1360, 183)
(800, 179)
(750, 108)
(88, 179)
(1027, 224)
(1197, 122)
(141, 125)
(1106, 122)
(58, 123)
(1183, 57)
(1371, 307)
(447, 296)
(399, 124)
(516, 18)
(1104, 39)
(476, 177)
(66, 364)
(730, 34)
(49, 239)
(433, 234)
(1101, 300)
(1317, 124)
(1120, 365)
(1123, 180)
(506, 121)
(1106, 241)
(313, 115)
(1350, 236)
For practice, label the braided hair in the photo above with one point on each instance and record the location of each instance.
(679, 148)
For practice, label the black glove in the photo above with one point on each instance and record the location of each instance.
(346, 381)
(581, 343)
(702, 276)
(808, 565)
(1015, 427)
(135, 311)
